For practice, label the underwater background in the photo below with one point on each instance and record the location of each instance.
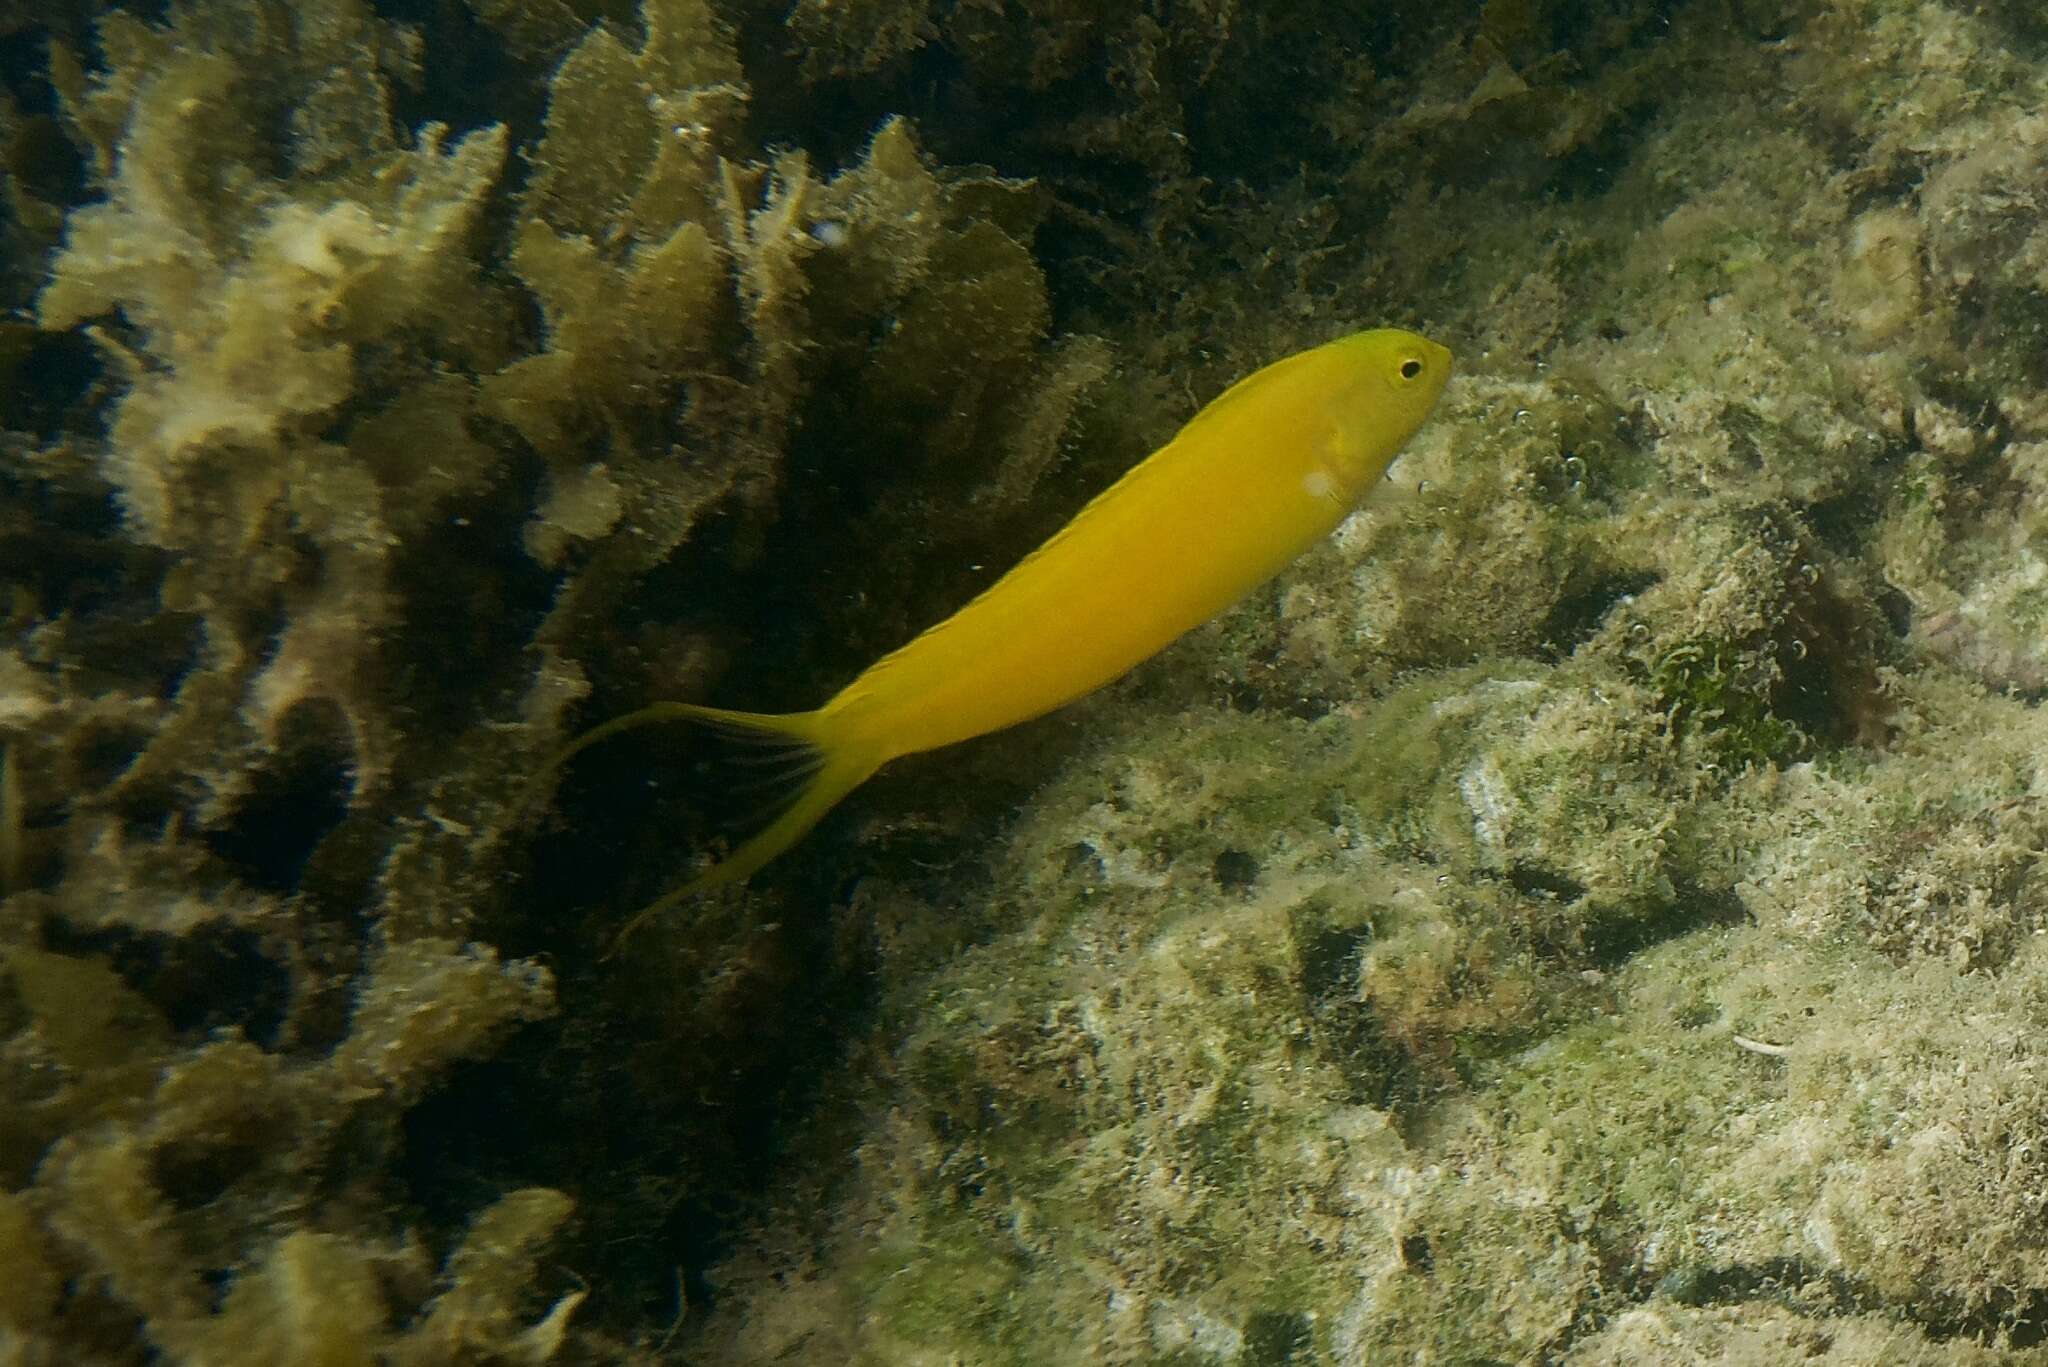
(1591, 910)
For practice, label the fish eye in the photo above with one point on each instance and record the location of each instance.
(1410, 368)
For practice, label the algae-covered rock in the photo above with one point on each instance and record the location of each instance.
(1751, 1337)
(1586, 914)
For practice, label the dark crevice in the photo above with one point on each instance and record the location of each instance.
(1610, 942)
(1574, 619)
(209, 979)
(293, 801)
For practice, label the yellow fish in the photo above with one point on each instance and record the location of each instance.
(1255, 478)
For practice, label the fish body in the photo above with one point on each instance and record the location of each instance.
(1256, 477)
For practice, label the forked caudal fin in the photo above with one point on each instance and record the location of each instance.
(816, 770)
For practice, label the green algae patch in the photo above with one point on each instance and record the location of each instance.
(1704, 689)
(927, 1291)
